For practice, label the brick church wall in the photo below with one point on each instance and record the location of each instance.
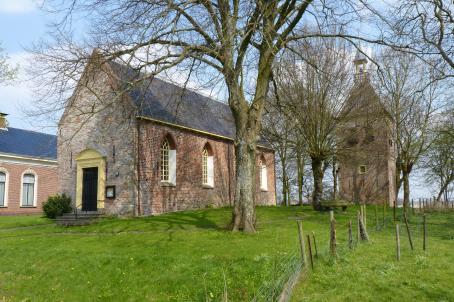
(105, 122)
(46, 182)
(189, 192)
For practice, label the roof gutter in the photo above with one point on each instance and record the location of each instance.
(12, 157)
(194, 130)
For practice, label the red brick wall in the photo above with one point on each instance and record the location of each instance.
(189, 193)
(46, 185)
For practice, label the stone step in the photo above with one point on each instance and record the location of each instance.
(81, 218)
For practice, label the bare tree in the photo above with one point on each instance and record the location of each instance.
(439, 160)
(313, 84)
(426, 28)
(7, 72)
(235, 42)
(410, 93)
(278, 131)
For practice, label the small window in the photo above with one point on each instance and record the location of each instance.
(362, 169)
(207, 166)
(168, 162)
(28, 190)
(390, 142)
(2, 189)
(263, 175)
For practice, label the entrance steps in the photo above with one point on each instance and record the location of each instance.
(78, 218)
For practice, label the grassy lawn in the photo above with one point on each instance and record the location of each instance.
(189, 256)
(371, 272)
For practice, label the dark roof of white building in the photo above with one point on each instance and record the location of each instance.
(27, 143)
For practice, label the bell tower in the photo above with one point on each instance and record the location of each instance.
(366, 159)
(360, 62)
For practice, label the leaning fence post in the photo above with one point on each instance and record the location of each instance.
(408, 231)
(397, 242)
(350, 235)
(310, 251)
(301, 239)
(315, 244)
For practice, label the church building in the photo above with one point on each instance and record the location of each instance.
(143, 148)
(366, 160)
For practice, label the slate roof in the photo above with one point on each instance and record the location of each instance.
(167, 102)
(28, 143)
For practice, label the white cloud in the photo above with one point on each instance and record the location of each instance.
(18, 6)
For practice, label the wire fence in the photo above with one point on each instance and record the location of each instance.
(285, 271)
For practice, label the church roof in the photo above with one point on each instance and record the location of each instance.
(27, 143)
(163, 101)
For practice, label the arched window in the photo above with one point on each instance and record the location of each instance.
(28, 190)
(263, 174)
(168, 162)
(207, 166)
(3, 189)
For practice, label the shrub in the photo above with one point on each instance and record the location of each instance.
(57, 205)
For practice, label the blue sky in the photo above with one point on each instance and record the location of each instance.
(21, 24)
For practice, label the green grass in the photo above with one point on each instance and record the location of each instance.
(9, 222)
(189, 256)
(371, 273)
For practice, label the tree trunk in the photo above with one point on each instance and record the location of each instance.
(284, 180)
(317, 172)
(243, 216)
(334, 178)
(406, 181)
(300, 172)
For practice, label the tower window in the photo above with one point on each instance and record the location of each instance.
(362, 169)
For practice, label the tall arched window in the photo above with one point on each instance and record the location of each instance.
(263, 174)
(168, 162)
(2, 189)
(28, 190)
(207, 166)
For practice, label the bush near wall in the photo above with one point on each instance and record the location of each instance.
(57, 205)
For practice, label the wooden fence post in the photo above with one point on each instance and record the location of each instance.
(332, 238)
(365, 216)
(350, 235)
(358, 232)
(315, 244)
(408, 231)
(394, 210)
(424, 242)
(302, 245)
(310, 251)
(397, 242)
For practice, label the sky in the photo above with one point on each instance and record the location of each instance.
(21, 24)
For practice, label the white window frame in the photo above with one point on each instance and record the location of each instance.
(263, 176)
(207, 168)
(5, 199)
(35, 189)
(171, 163)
